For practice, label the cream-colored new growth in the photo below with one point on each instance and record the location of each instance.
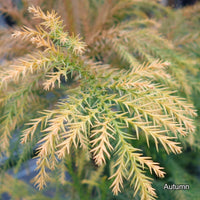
(106, 104)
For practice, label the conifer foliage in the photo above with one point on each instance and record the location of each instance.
(108, 110)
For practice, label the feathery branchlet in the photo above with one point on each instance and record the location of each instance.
(108, 112)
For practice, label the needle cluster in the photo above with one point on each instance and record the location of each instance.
(106, 113)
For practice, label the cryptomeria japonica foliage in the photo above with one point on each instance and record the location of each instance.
(104, 110)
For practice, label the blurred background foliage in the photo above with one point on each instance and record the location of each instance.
(160, 32)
